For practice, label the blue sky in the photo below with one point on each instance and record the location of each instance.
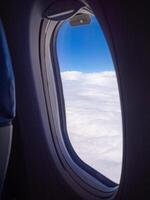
(83, 48)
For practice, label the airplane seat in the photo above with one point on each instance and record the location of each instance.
(7, 104)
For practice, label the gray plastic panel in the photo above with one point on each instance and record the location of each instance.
(5, 146)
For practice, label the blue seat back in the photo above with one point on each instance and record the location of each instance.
(7, 83)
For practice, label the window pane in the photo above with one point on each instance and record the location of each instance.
(92, 104)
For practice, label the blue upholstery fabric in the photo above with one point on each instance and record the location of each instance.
(7, 83)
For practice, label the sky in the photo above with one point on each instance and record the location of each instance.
(91, 97)
(83, 48)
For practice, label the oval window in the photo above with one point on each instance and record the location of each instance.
(92, 104)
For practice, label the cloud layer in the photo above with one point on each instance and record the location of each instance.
(94, 119)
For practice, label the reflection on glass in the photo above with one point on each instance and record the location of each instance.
(91, 97)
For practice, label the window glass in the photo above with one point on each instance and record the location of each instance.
(90, 89)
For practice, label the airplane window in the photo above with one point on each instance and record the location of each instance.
(92, 104)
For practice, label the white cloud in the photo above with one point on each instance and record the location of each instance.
(94, 119)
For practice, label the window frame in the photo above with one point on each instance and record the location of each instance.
(81, 177)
